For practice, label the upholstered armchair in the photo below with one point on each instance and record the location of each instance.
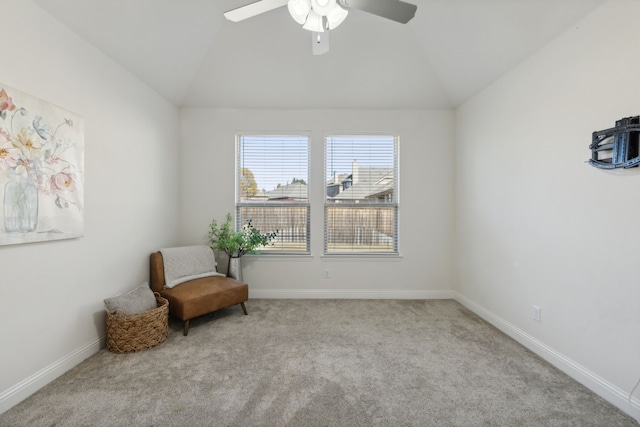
(188, 278)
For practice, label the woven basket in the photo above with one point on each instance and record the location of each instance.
(131, 333)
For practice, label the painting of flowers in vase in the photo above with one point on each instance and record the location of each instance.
(41, 170)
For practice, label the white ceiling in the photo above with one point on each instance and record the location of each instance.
(190, 54)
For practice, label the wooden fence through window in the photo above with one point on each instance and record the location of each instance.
(371, 226)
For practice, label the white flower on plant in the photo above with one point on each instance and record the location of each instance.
(23, 167)
(63, 182)
(9, 155)
(29, 145)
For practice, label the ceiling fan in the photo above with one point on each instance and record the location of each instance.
(319, 16)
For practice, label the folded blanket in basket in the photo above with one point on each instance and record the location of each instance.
(187, 263)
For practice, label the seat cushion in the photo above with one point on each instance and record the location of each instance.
(201, 296)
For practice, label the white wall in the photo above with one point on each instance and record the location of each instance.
(426, 212)
(536, 225)
(51, 309)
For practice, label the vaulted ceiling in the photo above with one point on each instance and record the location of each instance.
(190, 54)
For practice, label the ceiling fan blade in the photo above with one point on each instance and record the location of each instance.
(253, 9)
(395, 10)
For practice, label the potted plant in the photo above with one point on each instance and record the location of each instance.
(249, 239)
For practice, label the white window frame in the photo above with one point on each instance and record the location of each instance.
(279, 248)
(389, 203)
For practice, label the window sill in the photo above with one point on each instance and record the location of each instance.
(281, 257)
(362, 257)
(331, 258)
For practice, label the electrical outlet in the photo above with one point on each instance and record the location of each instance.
(536, 313)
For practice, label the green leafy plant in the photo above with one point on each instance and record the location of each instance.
(249, 239)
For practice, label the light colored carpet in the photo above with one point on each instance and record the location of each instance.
(322, 363)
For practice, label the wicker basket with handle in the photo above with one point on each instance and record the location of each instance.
(131, 333)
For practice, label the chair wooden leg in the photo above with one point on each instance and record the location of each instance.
(186, 327)
(244, 308)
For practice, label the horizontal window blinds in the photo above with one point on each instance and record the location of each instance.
(361, 197)
(272, 175)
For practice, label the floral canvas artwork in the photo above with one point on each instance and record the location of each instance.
(41, 170)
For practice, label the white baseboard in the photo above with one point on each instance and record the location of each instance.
(348, 294)
(598, 385)
(35, 382)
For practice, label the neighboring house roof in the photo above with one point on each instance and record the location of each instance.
(260, 194)
(338, 179)
(296, 190)
(369, 182)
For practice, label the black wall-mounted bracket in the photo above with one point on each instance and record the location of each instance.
(618, 147)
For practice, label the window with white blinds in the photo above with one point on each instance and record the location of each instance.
(361, 195)
(272, 176)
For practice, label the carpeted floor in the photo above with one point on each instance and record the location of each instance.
(322, 363)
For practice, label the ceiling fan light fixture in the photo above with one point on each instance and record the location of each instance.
(299, 9)
(323, 7)
(314, 22)
(319, 16)
(336, 16)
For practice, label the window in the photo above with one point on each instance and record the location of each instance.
(361, 195)
(272, 175)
